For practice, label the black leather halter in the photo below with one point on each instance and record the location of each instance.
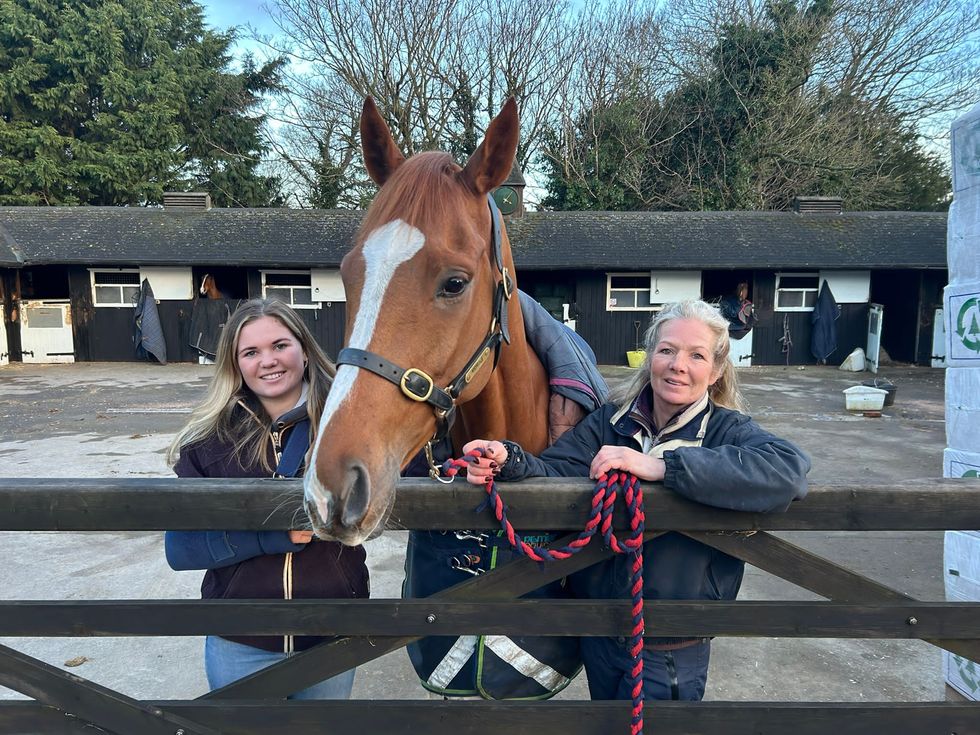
(417, 384)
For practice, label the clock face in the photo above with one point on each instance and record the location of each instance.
(507, 199)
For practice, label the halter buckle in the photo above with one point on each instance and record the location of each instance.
(411, 388)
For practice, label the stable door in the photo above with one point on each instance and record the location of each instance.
(45, 331)
(871, 355)
(740, 351)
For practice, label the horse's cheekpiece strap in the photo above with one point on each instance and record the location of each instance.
(414, 383)
(496, 237)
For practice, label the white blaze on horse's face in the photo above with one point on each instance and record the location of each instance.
(383, 251)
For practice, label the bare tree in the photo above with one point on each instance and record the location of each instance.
(437, 69)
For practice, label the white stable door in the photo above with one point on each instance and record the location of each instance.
(4, 352)
(740, 351)
(871, 355)
(45, 331)
(938, 341)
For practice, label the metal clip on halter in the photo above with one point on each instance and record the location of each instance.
(434, 469)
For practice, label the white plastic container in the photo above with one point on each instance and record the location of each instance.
(855, 362)
(864, 398)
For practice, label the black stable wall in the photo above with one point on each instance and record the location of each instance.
(106, 334)
(612, 333)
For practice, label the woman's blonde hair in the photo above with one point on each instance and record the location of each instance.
(724, 392)
(216, 415)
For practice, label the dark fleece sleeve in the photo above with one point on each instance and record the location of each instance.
(749, 470)
(214, 549)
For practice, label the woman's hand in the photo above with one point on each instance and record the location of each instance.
(482, 469)
(629, 460)
(300, 537)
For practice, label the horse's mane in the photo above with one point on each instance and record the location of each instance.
(420, 190)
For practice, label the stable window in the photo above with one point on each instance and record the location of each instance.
(291, 287)
(115, 287)
(796, 291)
(628, 291)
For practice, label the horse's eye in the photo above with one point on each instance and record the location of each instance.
(453, 286)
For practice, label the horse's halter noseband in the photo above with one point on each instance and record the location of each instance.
(417, 384)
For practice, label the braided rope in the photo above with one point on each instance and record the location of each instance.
(604, 496)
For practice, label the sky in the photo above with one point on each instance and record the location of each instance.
(225, 13)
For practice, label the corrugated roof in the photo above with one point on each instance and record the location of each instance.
(541, 240)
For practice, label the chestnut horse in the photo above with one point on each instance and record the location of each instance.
(209, 288)
(430, 325)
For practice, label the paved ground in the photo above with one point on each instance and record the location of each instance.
(108, 420)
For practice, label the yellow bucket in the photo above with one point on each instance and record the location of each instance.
(635, 358)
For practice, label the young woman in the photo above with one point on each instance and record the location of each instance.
(257, 420)
(678, 422)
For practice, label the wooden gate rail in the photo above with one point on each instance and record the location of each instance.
(859, 608)
(132, 618)
(126, 504)
(412, 717)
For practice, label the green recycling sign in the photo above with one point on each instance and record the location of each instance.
(968, 324)
(963, 335)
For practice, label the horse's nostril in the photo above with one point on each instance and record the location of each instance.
(357, 496)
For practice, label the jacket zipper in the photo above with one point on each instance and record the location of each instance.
(287, 594)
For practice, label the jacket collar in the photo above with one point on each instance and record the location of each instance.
(636, 420)
(248, 403)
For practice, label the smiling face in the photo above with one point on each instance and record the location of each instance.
(682, 366)
(271, 361)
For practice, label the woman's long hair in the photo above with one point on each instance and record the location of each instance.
(217, 415)
(724, 392)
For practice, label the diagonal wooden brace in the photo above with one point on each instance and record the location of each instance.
(805, 569)
(103, 707)
(329, 659)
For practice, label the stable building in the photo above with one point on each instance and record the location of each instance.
(610, 270)
(69, 276)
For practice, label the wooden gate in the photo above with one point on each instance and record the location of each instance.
(857, 607)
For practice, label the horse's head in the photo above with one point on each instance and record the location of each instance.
(421, 283)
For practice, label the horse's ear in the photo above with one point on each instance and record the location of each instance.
(381, 155)
(490, 164)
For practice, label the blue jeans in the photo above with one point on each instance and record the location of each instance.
(680, 674)
(226, 661)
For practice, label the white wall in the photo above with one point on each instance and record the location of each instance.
(169, 284)
(961, 315)
(667, 286)
(327, 285)
(848, 287)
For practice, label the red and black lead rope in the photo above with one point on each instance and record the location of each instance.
(607, 489)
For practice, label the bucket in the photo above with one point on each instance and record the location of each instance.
(864, 398)
(886, 385)
(635, 358)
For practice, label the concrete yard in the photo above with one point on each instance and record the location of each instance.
(116, 420)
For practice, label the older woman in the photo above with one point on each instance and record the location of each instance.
(679, 421)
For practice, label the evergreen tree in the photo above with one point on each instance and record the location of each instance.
(111, 102)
